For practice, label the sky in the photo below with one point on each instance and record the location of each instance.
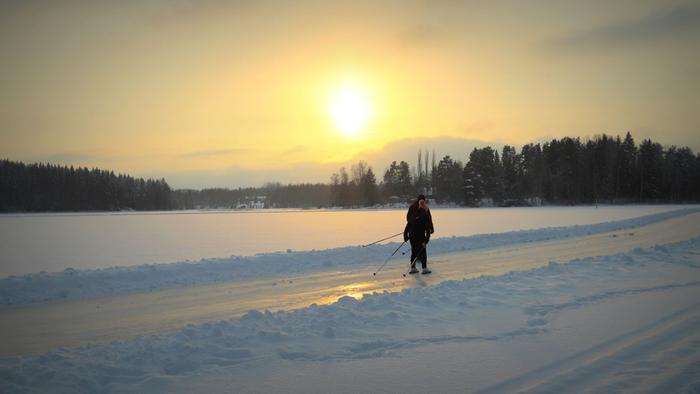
(238, 93)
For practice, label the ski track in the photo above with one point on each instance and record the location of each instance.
(72, 284)
(660, 357)
(503, 308)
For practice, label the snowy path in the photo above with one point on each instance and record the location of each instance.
(40, 328)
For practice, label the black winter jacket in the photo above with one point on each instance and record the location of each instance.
(419, 224)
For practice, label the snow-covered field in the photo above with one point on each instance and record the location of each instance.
(594, 308)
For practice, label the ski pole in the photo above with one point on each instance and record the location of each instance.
(383, 239)
(389, 258)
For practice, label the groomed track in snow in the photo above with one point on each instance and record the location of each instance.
(619, 311)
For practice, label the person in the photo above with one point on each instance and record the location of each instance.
(419, 227)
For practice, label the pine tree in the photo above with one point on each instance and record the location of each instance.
(626, 165)
(448, 180)
(649, 167)
(369, 188)
(511, 163)
(473, 185)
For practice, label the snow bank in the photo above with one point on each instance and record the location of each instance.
(84, 284)
(497, 309)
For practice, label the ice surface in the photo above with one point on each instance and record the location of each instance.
(53, 242)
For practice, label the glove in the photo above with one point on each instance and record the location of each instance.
(427, 240)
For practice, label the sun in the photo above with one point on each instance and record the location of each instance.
(350, 110)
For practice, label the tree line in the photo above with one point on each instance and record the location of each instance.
(603, 169)
(45, 187)
(570, 171)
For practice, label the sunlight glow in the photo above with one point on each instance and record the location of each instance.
(350, 110)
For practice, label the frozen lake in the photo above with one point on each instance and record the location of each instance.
(52, 242)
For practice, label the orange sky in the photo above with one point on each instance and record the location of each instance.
(218, 93)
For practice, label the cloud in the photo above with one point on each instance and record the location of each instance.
(212, 152)
(313, 172)
(89, 158)
(233, 177)
(178, 11)
(676, 22)
(478, 127)
(295, 150)
(173, 17)
(70, 157)
(100, 158)
(422, 35)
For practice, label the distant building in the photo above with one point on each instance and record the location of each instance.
(257, 202)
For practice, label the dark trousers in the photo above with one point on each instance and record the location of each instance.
(418, 252)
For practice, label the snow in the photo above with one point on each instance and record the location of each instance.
(72, 284)
(53, 242)
(526, 330)
(625, 321)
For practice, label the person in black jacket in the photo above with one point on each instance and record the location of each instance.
(419, 227)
